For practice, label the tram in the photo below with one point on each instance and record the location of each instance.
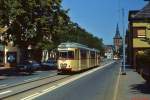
(75, 57)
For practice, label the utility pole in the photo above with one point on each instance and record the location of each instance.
(124, 55)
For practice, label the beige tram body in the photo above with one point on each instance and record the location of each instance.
(74, 57)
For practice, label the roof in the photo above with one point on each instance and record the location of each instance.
(75, 45)
(143, 13)
(132, 14)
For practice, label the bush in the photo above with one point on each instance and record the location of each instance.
(143, 65)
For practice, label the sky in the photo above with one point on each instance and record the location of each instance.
(100, 17)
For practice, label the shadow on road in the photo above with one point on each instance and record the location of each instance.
(142, 88)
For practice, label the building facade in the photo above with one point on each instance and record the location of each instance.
(138, 34)
(109, 51)
(9, 55)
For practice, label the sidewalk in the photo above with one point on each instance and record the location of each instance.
(132, 87)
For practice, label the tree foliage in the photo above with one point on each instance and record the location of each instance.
(41, 23)
(74, 33)
(30, 21)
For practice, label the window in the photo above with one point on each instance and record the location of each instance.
(70, 54)
(63, 54)
(139, 32)
(83, 54)
(92, 54)
(66, 54)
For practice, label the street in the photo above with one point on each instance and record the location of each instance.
(22, 78)
(98, 85)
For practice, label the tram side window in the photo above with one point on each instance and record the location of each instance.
(71, 54)
(83, 54)
(92, 55)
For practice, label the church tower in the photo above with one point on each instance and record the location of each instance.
(117, 41)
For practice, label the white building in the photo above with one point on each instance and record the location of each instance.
(109, 51)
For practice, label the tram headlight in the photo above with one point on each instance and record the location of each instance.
(69, 66)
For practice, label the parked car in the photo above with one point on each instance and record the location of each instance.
(49, 64)
(28, 66)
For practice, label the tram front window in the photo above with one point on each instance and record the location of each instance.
(71, 55)
(66, 55)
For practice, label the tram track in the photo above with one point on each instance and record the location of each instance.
(24, 87)
(37, 92)
(6, 86)
(27, 86)
(26, 81)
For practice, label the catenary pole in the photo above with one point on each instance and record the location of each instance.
(124, 55)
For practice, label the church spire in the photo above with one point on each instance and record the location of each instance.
(117, 35)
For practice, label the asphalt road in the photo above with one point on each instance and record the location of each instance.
(99, 85)
(15, 79)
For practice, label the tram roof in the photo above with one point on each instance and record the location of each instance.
(75, 45)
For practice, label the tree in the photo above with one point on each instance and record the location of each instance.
(31, 22)
(74, 33)
(41, 24)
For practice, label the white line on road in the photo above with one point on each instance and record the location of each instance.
(33, 96)
(48, 89)
(27, 98)
(31, 79)
(5, 92)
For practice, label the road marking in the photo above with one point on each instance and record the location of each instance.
(27, 98)
(48, 89)
(31, 79)
(5, 92)
(33, 96)
(117, 86)
(2, 85)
